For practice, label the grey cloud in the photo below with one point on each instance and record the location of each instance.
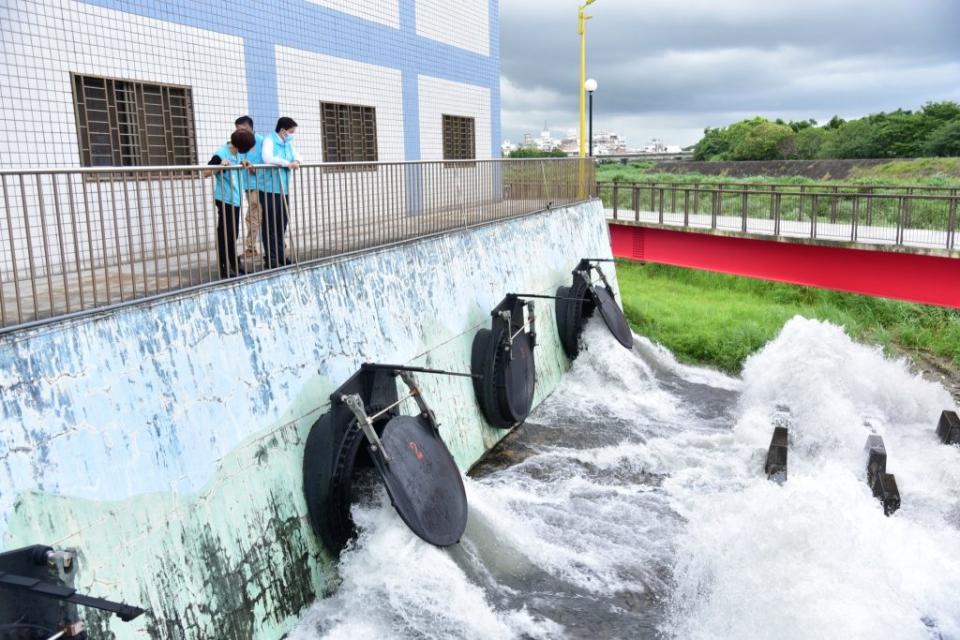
(701, 61)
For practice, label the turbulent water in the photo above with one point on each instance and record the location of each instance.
(633, 504)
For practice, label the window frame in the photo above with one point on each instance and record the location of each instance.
(342, 143)
(134, 121)
(454, 149)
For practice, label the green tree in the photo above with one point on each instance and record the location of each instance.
(712, 146)
(854, 139)
(835, 123)
(944, 140)
(900, 134)
(537, 153)
(760, 139)
(801, 125)
(941, 111)
(811, 142)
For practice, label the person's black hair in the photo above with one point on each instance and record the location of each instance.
(285, 123)
(243, 140)
(243, 120)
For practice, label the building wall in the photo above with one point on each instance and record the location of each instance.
(165, 440)
(248, 56)
(459, 23)
(262, 57)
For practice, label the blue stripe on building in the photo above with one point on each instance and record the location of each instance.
(329, 32)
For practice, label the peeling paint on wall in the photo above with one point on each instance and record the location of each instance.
(165, 440)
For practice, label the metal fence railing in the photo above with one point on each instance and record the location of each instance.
(849, 214)
(839, 188)
(80, 239)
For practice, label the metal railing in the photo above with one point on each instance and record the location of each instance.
(745, 184)
(901, 218)
(80, 239)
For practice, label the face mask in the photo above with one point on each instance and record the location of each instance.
(288, 138)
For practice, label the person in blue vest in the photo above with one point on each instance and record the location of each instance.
(228, 187)
(278, 150)
(252, 219)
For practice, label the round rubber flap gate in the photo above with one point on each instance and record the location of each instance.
(423, 480)
(613, 317)
(518, 378)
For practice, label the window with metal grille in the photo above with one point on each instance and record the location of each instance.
(349, 133)
(121, 123)
(458, 139)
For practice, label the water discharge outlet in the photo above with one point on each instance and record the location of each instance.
(576, 303)
(503, 365)
(38, 599)
(411, 459)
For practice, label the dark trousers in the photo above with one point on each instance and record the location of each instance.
(228, 224)
(273, 226)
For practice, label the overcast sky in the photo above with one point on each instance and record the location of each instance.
(669, 68)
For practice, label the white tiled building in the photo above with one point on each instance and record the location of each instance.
(412, 60)
(108, 83)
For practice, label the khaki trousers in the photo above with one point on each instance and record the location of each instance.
(252, 233)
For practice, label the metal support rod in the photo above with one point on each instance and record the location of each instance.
(546, 297)
(417, 395)
(355, 403)
(402, 367)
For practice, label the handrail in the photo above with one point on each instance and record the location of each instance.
(303, 165)
(903, 218)
(75, 239)
(773, 186)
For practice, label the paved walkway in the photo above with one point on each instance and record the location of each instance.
(838, 231)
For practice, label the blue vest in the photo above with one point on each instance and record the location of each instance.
(255, 156)
(278, 180)
(228, 183)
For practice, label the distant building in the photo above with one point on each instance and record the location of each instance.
(609, 144)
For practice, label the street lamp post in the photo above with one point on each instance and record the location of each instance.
(591, 86)
(582, 30)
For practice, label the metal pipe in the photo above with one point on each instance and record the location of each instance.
(403, 367)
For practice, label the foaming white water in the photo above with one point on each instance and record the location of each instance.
(641, 509)
(816, 557)
(393, 585)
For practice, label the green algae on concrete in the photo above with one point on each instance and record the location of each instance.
(165, 440)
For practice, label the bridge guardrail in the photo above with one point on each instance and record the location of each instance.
(74, 239)
(861, 214)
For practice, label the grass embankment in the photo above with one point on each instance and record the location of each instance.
(922, 172)
(719, 320)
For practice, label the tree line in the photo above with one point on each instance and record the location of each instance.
(934, 130)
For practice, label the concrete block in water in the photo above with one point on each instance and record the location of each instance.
(948, 429)
(882, 484)
(776, 464)
(876, 458)
(885, 490)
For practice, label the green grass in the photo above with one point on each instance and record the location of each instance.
(932, 171)
(719, 320)
(922, 172)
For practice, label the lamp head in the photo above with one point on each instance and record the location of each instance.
(590, 85)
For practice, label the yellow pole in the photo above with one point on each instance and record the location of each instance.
(582, 30)
(582, 18)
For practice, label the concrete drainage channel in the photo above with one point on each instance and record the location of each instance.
(364, 423)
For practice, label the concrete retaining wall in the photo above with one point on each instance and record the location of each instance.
(164, 440)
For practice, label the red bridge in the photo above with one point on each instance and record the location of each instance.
(888, 242)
